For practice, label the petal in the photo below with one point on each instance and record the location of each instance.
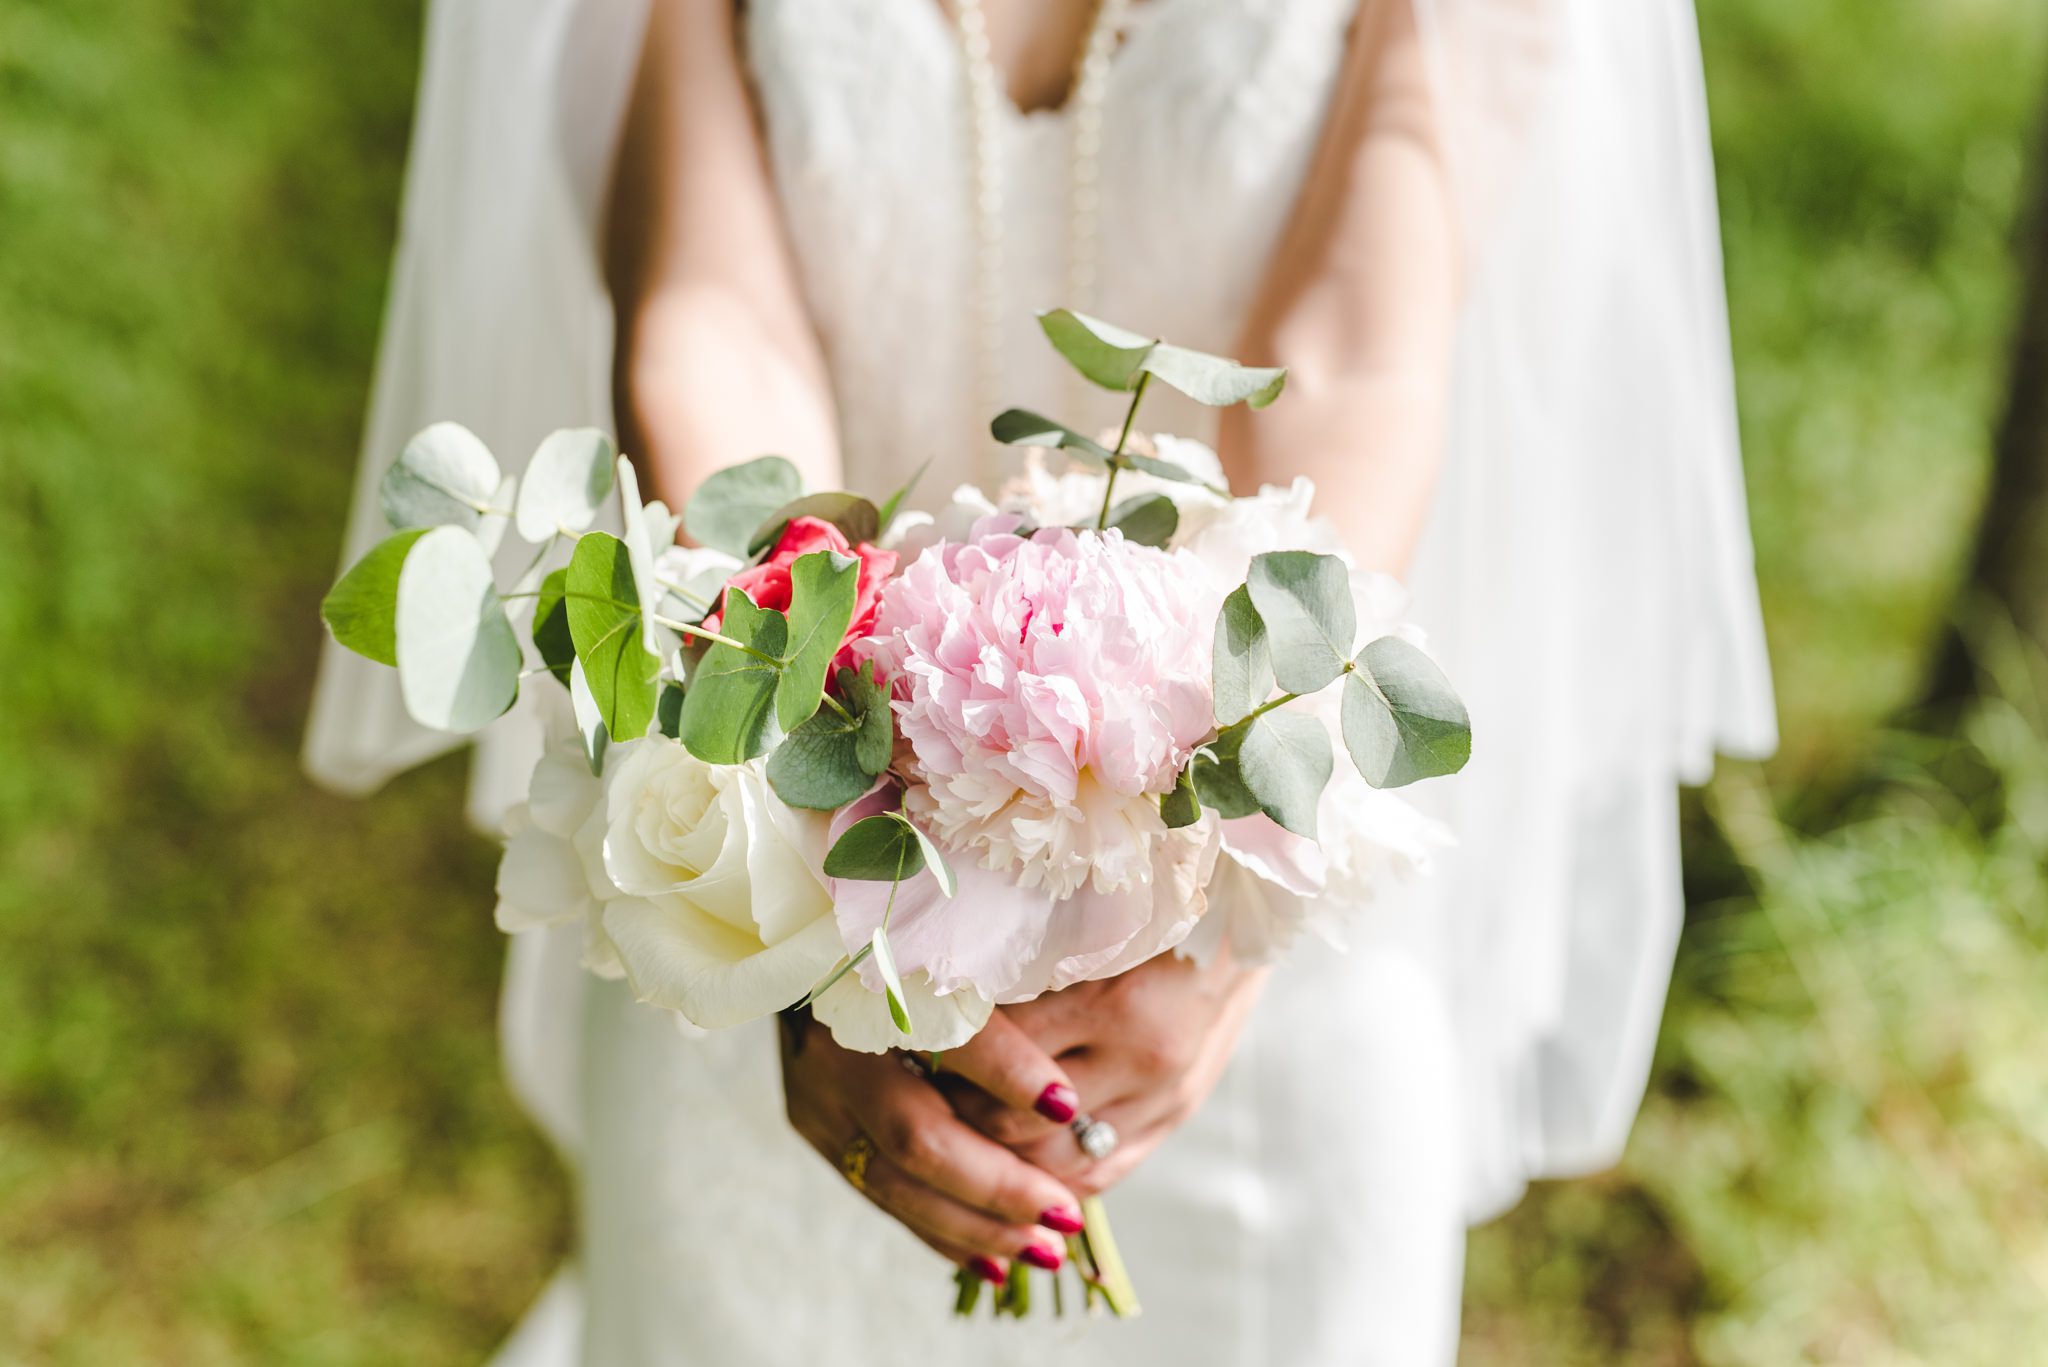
(713, 974)
(859, 1019)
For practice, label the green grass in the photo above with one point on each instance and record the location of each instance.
(249, 1106)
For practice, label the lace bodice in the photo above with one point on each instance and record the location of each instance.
(1210, 117)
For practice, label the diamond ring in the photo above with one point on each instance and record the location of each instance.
(1097, 1138)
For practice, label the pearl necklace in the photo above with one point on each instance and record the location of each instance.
(985, 182)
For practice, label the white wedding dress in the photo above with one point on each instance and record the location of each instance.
(1585, 578)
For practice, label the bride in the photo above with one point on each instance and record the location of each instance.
(1481, 236)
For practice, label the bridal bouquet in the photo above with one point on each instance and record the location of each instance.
(901, 767)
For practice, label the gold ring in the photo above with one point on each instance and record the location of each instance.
(853, 1163)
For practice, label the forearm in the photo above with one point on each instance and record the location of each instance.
(705, 382)
(1359, 304)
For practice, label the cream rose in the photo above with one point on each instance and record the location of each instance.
(724, 915)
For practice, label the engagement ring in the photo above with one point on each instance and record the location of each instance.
(853, 1163)
(1097, 1138)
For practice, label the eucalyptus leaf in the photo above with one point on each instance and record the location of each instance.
(567, 482)
(822, 586)
(733, 502)
(668, 711)
(1402, 720)
(551, 634)
(1286, 763)
(1214, 380)
(1021, 427)
(1305, 600)
(1242, 663)
(1148, 519)
(362, 610)
(855, 517)
(605, 625)
(589, 725)
(941, 870)
(876, 849)
(887, 512)
(1181, 806)
(817, 765)
(1117, 358)
(868, 698)
(1162, 469)
(1104, 353)
(445, 477)
(458, 659)
(892, 982)
(1218, 775)
(729, 706)
(643, 523)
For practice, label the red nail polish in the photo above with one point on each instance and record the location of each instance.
(1057, 1103)
(1046, 1258)
(1060, 1220)
(988, 1269)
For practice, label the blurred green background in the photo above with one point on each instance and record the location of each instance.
(248, 1116)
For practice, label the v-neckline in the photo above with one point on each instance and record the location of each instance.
(944, 24)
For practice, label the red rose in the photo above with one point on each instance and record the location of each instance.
(768, 582)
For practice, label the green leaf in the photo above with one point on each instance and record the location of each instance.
(1402, 720)
(733, 502)
(444, 477)
(362, 610)
(1214, 380)
(1116, 358)
(1020, 427)
(888, 511)
(821, 588)
(868, 698)
(941, 870)
(1148, 519)
(1305, 601)
(1181, 806)
(876, 849)
(604, 623)
(892, 982)
(1242, 663)
(567, 481)
(551, 634)
(1219, 776)
(458, 658)
(853, 515)
(1162, 469)
(1286, 762)
(817, 765)
(729, 706)
(668, 712)
(1104, 353)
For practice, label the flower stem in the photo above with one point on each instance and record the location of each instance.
(1115, 457)
(1114, 1283)
(688, 630)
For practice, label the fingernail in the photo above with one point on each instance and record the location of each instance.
(988, 1269)
(1057, 1103)
(1060, 1220)
(1038, 1256)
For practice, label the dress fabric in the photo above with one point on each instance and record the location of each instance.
(1585, 577)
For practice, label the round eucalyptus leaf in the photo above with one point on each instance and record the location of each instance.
(445, 477)
(728, 712)
(1286, 762)
(876, 849)
(1214, 380)
(1148, 519)
(732, 502)
(602, 602)
(458, 659)
(362, 610)
(1021, 427)
(1104, 353)
(1401, 718)
(1241, 663)
(817, 766)
(822, 587)
(1305, 601)
(566, 483)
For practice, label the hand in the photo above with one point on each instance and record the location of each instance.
(1145, 1047)
(967, 1197)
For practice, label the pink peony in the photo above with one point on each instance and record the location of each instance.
(1047, 689)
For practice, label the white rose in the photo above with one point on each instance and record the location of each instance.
(552, 870)
(725, 916)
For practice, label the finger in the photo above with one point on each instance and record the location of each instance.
(1022, 1078)
(942, 1221)
(917, 1131)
